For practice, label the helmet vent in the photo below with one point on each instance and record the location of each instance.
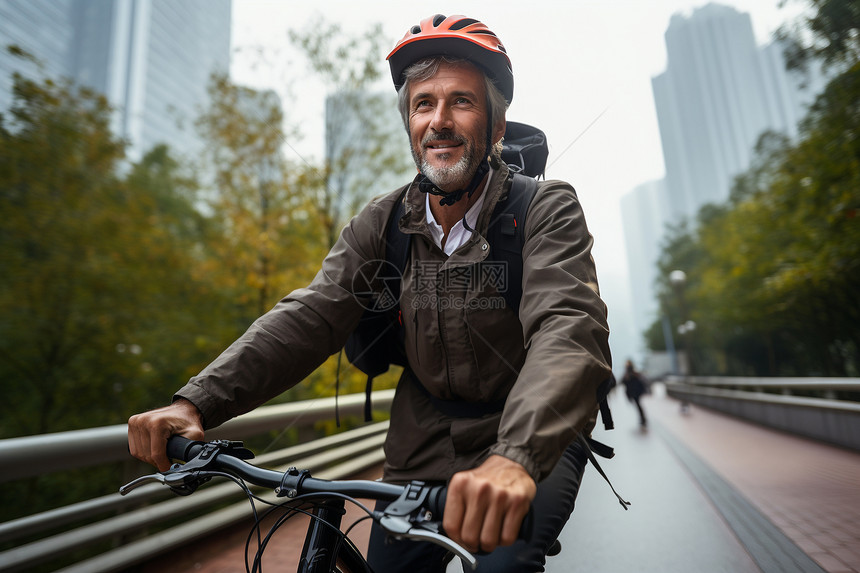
(438, 19)
(463, 23)
(416, 29)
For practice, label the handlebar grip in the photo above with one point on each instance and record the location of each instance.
(181, 448)
(436, 501)
(436, 504)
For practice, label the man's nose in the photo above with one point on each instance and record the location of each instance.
(442, 119)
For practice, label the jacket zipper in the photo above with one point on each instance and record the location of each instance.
(415, 324)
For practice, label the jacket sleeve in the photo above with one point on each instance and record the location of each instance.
(310, 324)
(565, 331)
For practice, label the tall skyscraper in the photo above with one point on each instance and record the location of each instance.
(719, 93)
(44, 29)
(151, 58)
(644, 211)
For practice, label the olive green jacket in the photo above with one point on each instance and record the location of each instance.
(462, 342)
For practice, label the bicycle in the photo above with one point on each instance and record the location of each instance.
(415, 511)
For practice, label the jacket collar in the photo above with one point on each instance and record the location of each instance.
(414, 220)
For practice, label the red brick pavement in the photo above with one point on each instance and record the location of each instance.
(810, 490)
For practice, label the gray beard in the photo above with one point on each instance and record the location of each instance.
(450, 178)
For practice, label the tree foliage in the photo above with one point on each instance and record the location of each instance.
(774, 274)
(366, 149)
(257, 199)
(829, 32)
(60, 197)
(98, 267)
(121, 280)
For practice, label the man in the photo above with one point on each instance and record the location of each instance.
(492, 399)
(635, 387)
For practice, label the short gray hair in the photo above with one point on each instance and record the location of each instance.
(427, 68)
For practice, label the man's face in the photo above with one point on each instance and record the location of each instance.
(448, 125)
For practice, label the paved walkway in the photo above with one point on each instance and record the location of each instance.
(810, 491)
(710, 494)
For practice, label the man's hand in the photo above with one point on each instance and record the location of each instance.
(148, 432)
(486, 506)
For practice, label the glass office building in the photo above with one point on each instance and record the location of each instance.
(151, 58)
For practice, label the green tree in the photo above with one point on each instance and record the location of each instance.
(102, 297)
(366, 153)
(681, 251)
(266, 211)
(366, 148)
(818, 196)
(259, 201)
(740, 240)
(829, 32)
(184, 316)
(60, 213)
(777, 268)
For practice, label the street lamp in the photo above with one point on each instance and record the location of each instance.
(667, 335)
(678, 280)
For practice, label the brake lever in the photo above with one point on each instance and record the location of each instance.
(184, 479)
(401, 527)
(134, 484)
(181, 482)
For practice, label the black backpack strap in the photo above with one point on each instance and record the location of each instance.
(594, 446)
(369, 346)
(397, 247)
(602, 399)
(397, 243)
(506, 235)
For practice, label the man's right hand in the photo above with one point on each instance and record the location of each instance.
(148, 432)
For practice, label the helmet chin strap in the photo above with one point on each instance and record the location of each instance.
(427, 186)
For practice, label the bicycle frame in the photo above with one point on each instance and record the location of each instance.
(317, 556)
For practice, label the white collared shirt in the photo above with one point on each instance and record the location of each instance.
(459, 233)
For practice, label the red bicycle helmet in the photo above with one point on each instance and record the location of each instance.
(455, 36)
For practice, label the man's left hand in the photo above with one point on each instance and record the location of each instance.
(486, 505)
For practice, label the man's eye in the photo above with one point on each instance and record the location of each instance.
(462, 100)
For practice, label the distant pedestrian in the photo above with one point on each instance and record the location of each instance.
(636, 386)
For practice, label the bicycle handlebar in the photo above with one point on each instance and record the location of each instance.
(415, 510)
(183, 449)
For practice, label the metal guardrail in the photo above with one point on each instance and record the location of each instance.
(36, 455)
(333, 457)
(786, 385)
(826, 418)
